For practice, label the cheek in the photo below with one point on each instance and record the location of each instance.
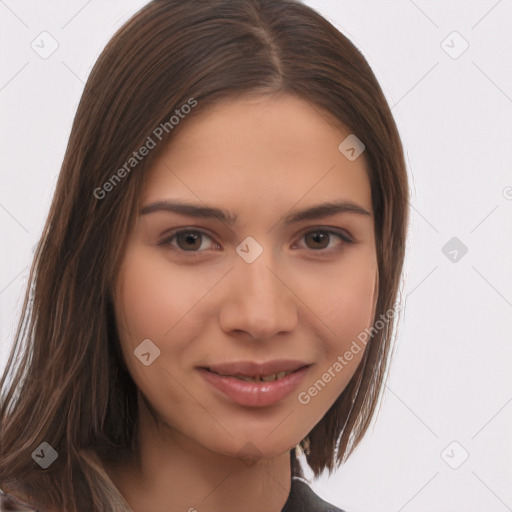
(353, 305)
(347, 303)
(151, 300)
(347, 307)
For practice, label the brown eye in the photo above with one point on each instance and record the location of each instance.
(320, 239)
(187, 240)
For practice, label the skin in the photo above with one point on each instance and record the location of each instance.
(258, 157)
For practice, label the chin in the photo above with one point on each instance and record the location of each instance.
(250, 449)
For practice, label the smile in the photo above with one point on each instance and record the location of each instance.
(255, 385)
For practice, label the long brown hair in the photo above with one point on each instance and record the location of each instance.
(65, 382)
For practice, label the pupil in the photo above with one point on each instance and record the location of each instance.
(189, 239)
(318, 237)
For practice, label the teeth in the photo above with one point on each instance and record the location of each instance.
(264, 378)
(247, 379)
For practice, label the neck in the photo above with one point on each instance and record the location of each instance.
(173, 473)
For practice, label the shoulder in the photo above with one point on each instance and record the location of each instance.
(9, 503)
(303, 499)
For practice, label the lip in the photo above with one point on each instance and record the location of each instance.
(252, 369)
(255, 394)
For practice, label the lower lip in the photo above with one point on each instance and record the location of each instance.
(255, 394)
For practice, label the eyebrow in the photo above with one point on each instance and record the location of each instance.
(228, 218)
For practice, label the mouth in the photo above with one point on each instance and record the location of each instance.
(255, 384)
(252, 371)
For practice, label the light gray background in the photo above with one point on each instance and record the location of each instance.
(450, 379)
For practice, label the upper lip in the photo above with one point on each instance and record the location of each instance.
(253, 369)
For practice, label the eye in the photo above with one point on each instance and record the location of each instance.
(320, 239)
(187, 240)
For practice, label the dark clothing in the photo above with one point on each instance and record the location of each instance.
(301, 499)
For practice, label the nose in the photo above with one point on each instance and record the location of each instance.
(259, 300)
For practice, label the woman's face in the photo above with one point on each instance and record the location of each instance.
(201, 294)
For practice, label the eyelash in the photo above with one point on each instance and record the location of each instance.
(346, 239)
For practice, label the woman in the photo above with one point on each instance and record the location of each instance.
(215, 287)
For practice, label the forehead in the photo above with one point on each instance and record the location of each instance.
(259, 151)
